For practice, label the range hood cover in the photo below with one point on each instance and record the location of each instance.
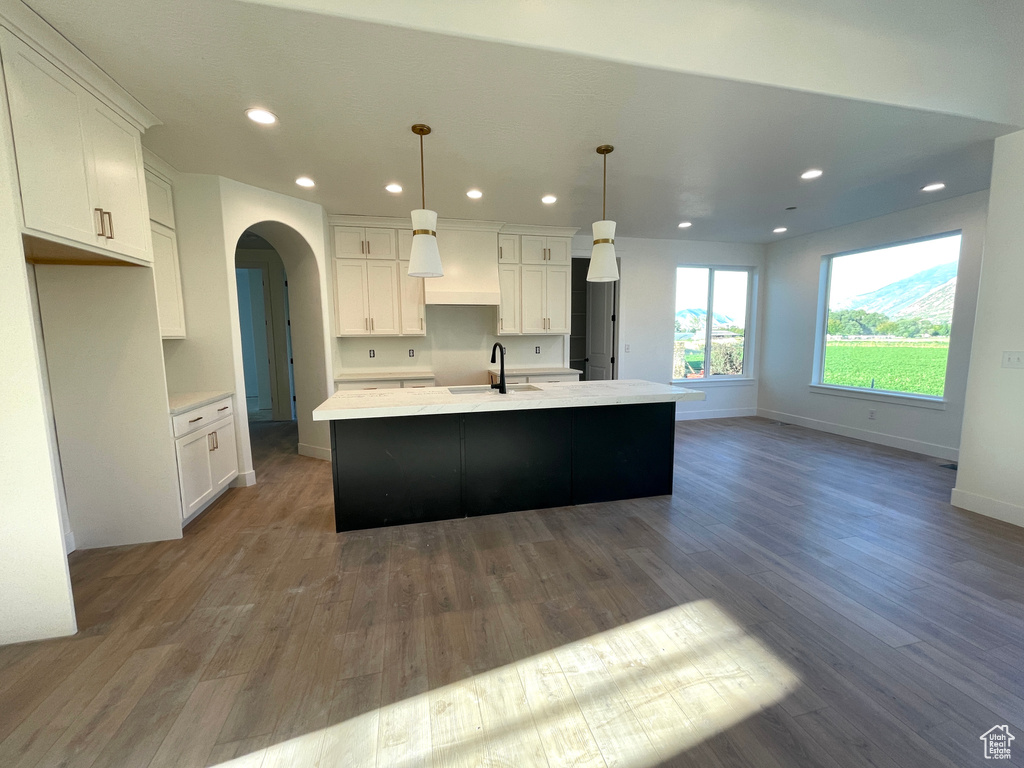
(470, 261)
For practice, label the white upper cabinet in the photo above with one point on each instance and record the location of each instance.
(161, 200)
(50, 144)
(382, 293)
(364, 243)
(169, 304)
(508, 249)
(558, 298)
(413, 302)
(351, 309)
(508, 312)
(79, 164)
(116, 157)
(537, 249)
(545, 299)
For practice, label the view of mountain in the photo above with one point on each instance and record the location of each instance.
(927, 294)
(695, 317)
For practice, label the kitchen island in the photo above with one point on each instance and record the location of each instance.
(415, 455)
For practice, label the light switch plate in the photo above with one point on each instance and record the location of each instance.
(412, 353)
(372, 353)
(536, 350)
(1013, 359)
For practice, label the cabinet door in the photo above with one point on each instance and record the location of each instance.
(380, 243)
(559, 250)
(405, 244)
(349, 243)
(558, 298)
(351, 310)
(509, 320)
(413, 304)
(194, 478)
(223, 457)
(167, 275)
(119, 181)
(508, 249)
(382, 289)
(532, 299)
(49, 144)
(532, 249)
(160, 199)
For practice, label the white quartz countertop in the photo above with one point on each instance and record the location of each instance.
(384, 375)
(380, 403)
(523, 370)
(186, 401)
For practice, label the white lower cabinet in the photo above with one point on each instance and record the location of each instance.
(207, 458)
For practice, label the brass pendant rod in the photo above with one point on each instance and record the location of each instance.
(423, 183)
(604, 189)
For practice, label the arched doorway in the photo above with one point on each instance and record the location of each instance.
(303, 345)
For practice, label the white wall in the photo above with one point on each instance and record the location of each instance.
(955, 56)
(990, 480)
(35, 588)
(790, 322)
(102, 343)
(647, 308)
(457, 348)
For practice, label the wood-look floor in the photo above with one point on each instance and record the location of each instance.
(800, 600)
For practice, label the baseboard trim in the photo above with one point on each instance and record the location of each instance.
(720, 413)
(244, 479)
(69, 542)
(880, 438)
(314, 451)
(983, 505)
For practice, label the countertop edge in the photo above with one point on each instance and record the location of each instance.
(186, 401)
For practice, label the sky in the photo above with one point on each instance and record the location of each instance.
(860, 273)
(730, 292)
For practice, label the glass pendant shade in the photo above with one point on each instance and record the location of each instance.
(425, 259)
(603, 268)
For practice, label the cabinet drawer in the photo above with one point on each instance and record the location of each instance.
(340, 386)
(201, 417)
(417, 383)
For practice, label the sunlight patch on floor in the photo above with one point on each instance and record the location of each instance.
(633, 696)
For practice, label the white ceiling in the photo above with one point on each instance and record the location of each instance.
(513, 121)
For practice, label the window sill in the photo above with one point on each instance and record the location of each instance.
(718, 381)
(915, 401)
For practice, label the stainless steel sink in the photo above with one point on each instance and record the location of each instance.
(483, 389)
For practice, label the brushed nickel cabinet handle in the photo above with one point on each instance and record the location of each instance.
(362, 247)
(421, 323)
(103, 229)
(371, 325)
(193, 421)
(499, 253)
(110, 221)
(209, 442)
(223, 408)
(367, 247)
(216, 441)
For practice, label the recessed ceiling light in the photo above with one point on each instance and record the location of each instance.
(305, 181)
(476, 194)
(261, 116)
(779, 230)
(548, 199)
(394, 188)
(933, 187)
(685, 224)
(811, 173)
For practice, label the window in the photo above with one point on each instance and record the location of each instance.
(706, 349)
(888, 317)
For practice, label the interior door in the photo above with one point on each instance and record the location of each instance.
(600, 331)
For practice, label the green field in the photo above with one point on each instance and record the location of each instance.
(898, 366)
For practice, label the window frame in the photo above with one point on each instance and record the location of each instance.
(819, 386)
(748, 332)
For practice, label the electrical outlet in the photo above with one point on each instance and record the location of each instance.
(536, 350)
(412, 353)
(627, 347)
(372, 353)
(1013, 359)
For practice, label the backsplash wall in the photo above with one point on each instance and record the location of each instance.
(457, 348)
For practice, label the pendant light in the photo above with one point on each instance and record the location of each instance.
(603, 268)
(425, 259)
